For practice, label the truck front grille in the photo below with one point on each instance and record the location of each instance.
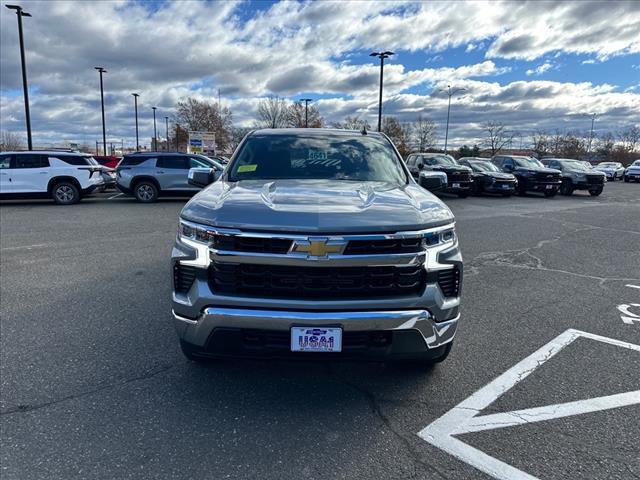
(459, 177)
(274, 245)
(235, 243)
(595, 179)
(183, 277)
(319, 283)
(547, 177)
(449, 282)
(381, 247)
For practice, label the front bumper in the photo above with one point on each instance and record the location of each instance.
(458, 187)
(540, 186)
(231, 331)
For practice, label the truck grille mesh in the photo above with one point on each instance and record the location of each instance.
(320, 283)
(183, 277)
(449, 282)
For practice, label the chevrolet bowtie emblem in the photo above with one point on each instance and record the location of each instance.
(318, 247)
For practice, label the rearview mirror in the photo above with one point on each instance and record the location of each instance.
(201, 177)
(432, 181)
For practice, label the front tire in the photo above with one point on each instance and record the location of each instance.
(146, 192)
(522, 189)
(550, 193)
(595, 193)
(566, 188)
(626, 179)
(65, 193)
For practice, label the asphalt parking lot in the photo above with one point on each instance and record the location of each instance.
(94, 384)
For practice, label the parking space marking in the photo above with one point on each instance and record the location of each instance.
(628, 316)
(115, 196)
(464, 417)
(632, 286)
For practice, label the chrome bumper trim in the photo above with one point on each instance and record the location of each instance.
(435, 334)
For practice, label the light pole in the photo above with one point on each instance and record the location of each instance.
(306, 110)
(166, 124)
(21, 13)
(381, 56)
(593, 119)
(104, 130)
(450, 93)
(135, 103)
(155, 132)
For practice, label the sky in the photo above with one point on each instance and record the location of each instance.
(531, 65)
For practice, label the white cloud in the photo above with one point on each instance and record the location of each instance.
(540, 69)
(294, 47)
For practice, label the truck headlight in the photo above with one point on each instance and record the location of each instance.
(197, 237)
(442, 237)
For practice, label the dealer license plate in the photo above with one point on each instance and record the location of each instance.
(549, 187)
(456, 185)
(316, 339)
(505, 186)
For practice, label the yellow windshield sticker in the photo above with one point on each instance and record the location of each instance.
(247, 168)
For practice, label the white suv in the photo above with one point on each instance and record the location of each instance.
(64, 176)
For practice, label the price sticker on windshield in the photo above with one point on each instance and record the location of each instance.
(317, 155)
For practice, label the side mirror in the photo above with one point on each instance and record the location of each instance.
(420, 166)
(201, 177)
(432, 181)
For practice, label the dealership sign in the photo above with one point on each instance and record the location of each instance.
(202, 142)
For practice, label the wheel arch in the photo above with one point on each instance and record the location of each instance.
(63, 178)
(140, 178)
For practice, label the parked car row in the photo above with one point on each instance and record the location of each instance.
(67, 176)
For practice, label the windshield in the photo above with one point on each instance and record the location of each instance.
(527, 162)
(483, 167)
(438, 160)
(575, 166)
(317, 156)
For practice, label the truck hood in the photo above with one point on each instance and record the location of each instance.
(311, 206)
(447, 168)
(496, 175)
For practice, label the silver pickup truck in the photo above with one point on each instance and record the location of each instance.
(316, 242)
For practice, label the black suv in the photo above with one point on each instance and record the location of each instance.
(459, 179)
(576, 176)
(487, 178)
(530, 173)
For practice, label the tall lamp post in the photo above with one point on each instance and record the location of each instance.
(593, 119)
(306, 110)
(381, 56)
(155, 132)
(166, 124)
(451, 93)
(135, 103)
(104, 129)
(21, 13)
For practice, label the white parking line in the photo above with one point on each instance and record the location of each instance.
(115, 196)
(464, 417)
(632, 286)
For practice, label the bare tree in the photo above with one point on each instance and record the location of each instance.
(605, 144)
(10, 141)
(399, 133)
(424, 134)
(540, 143)
(497, 136)
(237, 134)
(194, 114)
(272, 112)
(353, 123)
(296, 116)
(630, 138)
(572, 145)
